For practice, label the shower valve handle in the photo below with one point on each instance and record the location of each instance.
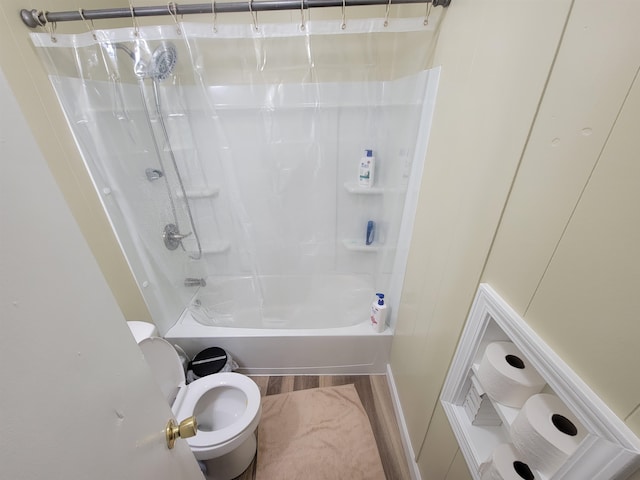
(172, 236)
(178, 236)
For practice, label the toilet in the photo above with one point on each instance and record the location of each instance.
(226, 406)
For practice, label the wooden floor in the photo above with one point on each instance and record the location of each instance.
(376, 399)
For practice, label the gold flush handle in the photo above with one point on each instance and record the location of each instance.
(187, 428)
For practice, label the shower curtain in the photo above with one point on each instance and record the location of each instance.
(238, 146)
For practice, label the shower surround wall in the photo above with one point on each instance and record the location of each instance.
(266, 164)
(272, 184)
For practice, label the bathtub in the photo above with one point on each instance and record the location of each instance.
(309, 351)
(223, 313)
(283, 301)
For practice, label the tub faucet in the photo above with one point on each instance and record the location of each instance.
(195, 282)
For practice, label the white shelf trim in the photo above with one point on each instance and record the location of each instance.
(610, 450)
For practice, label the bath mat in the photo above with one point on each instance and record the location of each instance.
(316, 434)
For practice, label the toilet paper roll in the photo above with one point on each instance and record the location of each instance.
(546, 433)
(507, 376)
(506, 463)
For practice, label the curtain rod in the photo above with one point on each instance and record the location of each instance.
(38, 18)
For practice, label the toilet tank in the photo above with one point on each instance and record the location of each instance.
(142, 330)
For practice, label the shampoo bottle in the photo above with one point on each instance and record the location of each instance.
(371, 232)
(366, 170)
(379, 314)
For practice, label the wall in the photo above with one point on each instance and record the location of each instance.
(482, 118)
(560, 205)
(31, 87)
(571, 220)
(282, 205)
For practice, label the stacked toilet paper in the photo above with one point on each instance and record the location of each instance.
(544, 433)
(506, 463)
(507, 376)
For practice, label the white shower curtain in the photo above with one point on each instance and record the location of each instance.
(248, 142)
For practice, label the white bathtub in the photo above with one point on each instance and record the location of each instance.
(326, 351)
(284, 301)
(287, 324)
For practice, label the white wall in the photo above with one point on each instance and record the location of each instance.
(270, 172)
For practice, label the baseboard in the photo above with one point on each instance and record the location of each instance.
(365, 369)
(404, 432)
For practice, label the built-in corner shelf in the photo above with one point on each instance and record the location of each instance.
(210, 192)
(360, 246)
(608, 449)
(353, 187)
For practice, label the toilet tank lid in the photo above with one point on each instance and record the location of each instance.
(142, 330)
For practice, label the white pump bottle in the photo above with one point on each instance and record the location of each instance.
(379, 314)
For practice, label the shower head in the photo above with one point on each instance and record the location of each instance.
(163, 61)
(160, 65)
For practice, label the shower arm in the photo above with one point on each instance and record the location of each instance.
(39, 18)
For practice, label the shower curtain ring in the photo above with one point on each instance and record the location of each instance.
(344, 15)
(91, 28)
(37, 17)
(215, 16)
(136, 28)
(254, 15)
(50, 27)
(173, 11)
(386, 14)
(302, 15)
(428, 12)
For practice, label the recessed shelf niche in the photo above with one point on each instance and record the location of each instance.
(609, 450)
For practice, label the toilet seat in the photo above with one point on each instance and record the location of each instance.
(197, 389)
(169, 374)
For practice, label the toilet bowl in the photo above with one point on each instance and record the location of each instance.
(226, 406)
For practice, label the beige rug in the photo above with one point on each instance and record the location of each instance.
(316, 434)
